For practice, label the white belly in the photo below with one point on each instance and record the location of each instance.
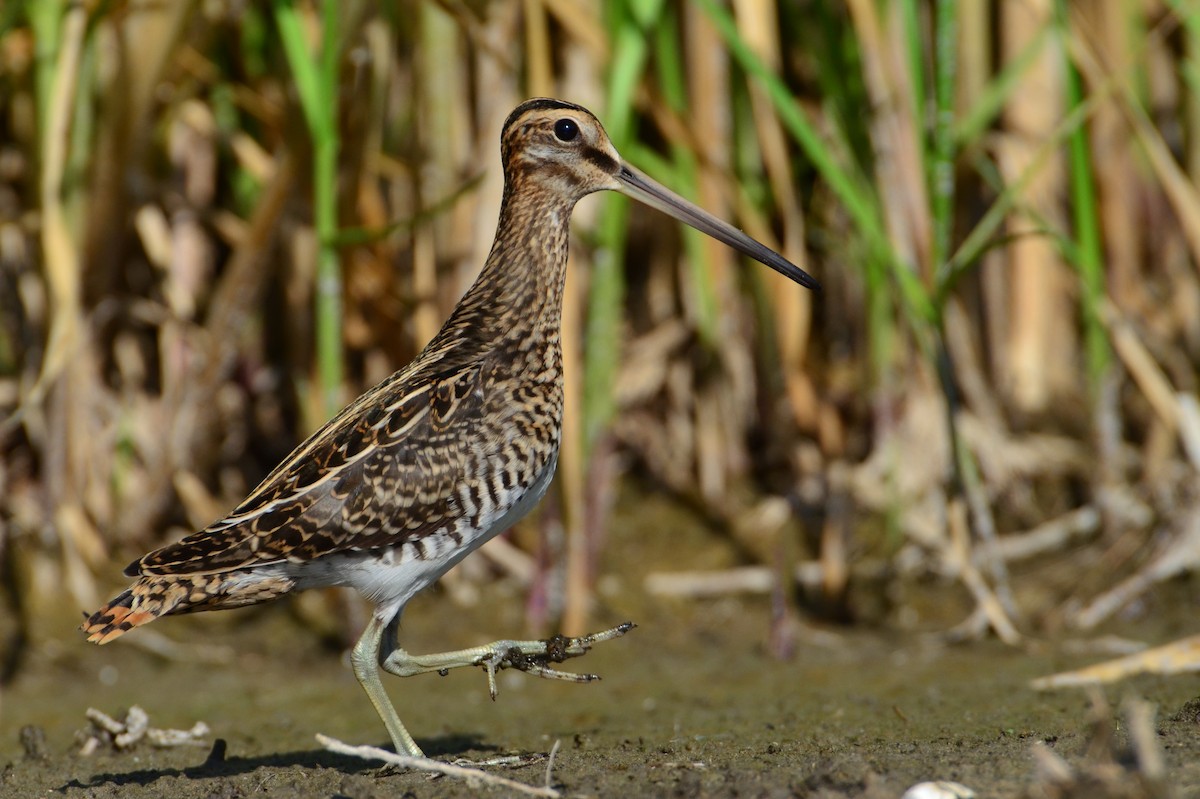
(391, 577)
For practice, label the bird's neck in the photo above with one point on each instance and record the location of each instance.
(521, 284)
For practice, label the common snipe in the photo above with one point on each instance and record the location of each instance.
(449, 451)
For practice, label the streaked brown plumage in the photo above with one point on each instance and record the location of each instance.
(444, 454)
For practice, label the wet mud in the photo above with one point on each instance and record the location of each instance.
(690, 704)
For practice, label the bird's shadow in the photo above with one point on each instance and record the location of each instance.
(219, 766)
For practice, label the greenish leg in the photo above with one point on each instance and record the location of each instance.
(530, 656)
(365, 660)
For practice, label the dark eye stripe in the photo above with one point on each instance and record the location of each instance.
(600, 159)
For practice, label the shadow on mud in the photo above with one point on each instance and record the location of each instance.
(217, 766)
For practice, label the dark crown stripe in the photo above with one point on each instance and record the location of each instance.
(542, 104)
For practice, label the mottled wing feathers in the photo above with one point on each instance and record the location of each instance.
(382, 471)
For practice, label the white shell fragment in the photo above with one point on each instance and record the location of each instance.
(941, 789)
(134, 728)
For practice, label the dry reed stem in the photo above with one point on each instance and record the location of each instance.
(1188, 417)
(974, 56)
(1177, 657)
(969, 372)
(538, 56)
(1042, 343)
(1179, 553)
(1191, 109)
(65, 374)
(809, 575)
(758, 24)
(710, 116)
(1176, 185)
(983, 525)
(835, 535)
(959, 560)
(59, 249)
(1154, 385)
(1112, 157)
(1051, 536)
(895, 134)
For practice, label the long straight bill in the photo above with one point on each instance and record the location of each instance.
(641, 188)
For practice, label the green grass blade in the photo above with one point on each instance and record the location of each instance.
(985, 234)
(858, 199)
(944, 145)
(978, 118)
(669, 61)
(628, 20)
(316, 84)
(1089, 261)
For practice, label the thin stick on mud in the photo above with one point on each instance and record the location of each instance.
(550, 762)
(1139, 715)
(473, 776)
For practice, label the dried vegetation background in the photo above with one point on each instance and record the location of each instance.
(220, 220)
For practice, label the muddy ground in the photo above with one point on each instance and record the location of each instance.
(690, 705)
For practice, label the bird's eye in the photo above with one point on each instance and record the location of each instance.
(566, 129)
